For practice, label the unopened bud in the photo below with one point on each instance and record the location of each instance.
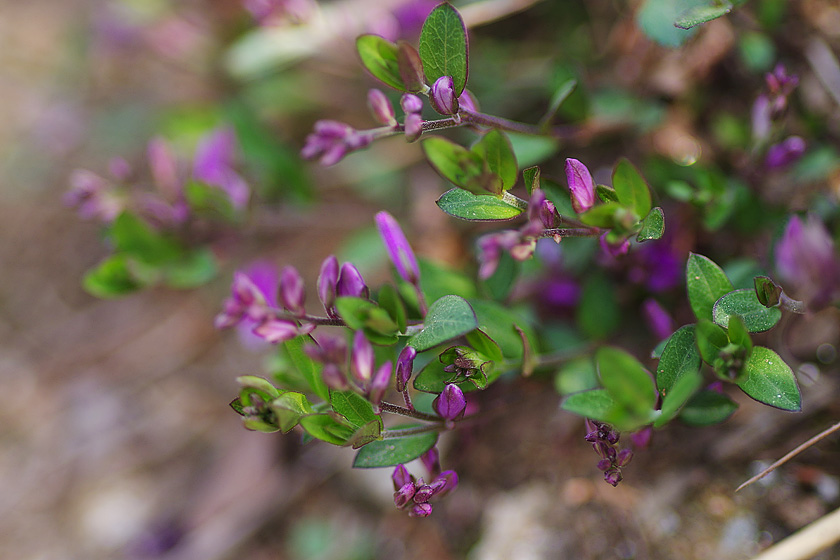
(401, 477)
(327, 280)
(420, 510)
(292, 294)
(410, 103)
(450, 404)
(350, 282)
(362, 359)
(334, 377)
(399, 251)
(613, 476)
(405, 366)
(431, 460)
(379, 383)
(413, 127)
(276, 330)
(381, 108)
(450, 482)
(442, 96)
(403, 496)
(581, 185)
(623, 458)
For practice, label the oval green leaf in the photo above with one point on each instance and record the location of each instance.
(390, 452)
(495, 148)
(595, 404)
(696, 15)
(448, 317)
(326, 428)
(355, 408)
(627, 381)
(380, 57)
(745, 304)
(476, 208)
(706, 283)
(653, 226)
(443, 46)
(707, 408)
(630, 187)
(454, 163)
(682, 390)
(769, 380)
(680, 358)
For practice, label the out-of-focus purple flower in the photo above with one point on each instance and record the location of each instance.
(275, 12)
(399, 251)
(784, 153)
(658, 265)
(281, 330)
(449, 480)
(350, 282)
(806, 259)
(246, 301)
(401, 477)
(442, 96)
(420, 510)
(411, 15)
(405, 367)
(467, 102)
(362, 359)
(164, 168)
(770, 106)
(411, 103)
(93, 196)
(119, 168)
(292, 293)
(492, 245)
(213, 164)
(614, 249)
(327, 281)
(540, 214)
(413, 127)
(779, 82)
(760, 118)
(379, 383)
(381, 108)
(659, 320)
(330, 141)
(431, 460)
(335, 378)
(641, 438)
(581, 184)
(451, 403)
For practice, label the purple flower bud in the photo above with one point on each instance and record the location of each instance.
(784, 153)
(213, 164)
(450, 404)
(164, 168)
(442, 96)
(623, 458)
(350, 282)
(334, 377)
(403, 496)
(581, 184)
(604, 464)
(405, 367)
(362, 359)
(431, 460)
(657, 318)
(450, 482)
(381, 108)
(401, 477)
(246, 293)
(420, 510)
(423, 494)
(230, 316)
(119, 168)
(468, 102)
(292, 294)
(641, 439)
(93, 196)
(379, 383)
(613, 476)
(276, 330)
(490, 250)
(760, 118)
(399, 251)
(327, 280)
(413, 127)
(332, 140)
(410, 103)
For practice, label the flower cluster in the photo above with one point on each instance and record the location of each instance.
(604, 440)
(769, 108)
(413, 494)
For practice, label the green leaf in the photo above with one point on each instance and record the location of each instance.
(498, 322)
(411, 67)
(682, 390)
(653, 226)
(701, 14)
(194, 269)
(356, 409)
(443, 46)
(251, 384)
(602, 215)
(560, 95)
(706, 283)
(605, 193)
(531, 176)
(326, 428)
(111, 278)
(711, 339)
(769, 380)
(598, 313)
(381, 59)
(499, 285)
(362, 314)
(370, 432)
(210, 201)
(767, 291)
(137, 239)
(476, 208)
(432, 378)
(707, 408)
(626, 380)
(745, 304)
(679, 359)
(389, 300)
(394, 451)
(656, 18)
(309, 369)
(495, 148)
(289, 408)
(738, 333)
(576, 375)
(438, 280)
(457, 164)
(631, 188)
(485, 345)
(596, 404)
(448, 317)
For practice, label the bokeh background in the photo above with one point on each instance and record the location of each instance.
(116, 439)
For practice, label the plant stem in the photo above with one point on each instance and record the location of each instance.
(483, 119)
(571, 232)
(403, 411)
(327, 321)
(514, 200)
(404, 432)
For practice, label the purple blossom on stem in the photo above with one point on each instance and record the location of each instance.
(614, 249)
(581, 185)
(413, 127)
(213, 164)
(784, 153)
(330, 141)
(451, 403)
(405, 367)
(431, 460)
(350, 282)
(659, 320)
(281, 330)
(492, 245)
(401, 477)
(93, 196)
(379, 383)
(604, 440)
(381, 108)
(399, 251)
(442, 96)
(362, 359)
(414, 494)
(411, 103)
(327, 282)
(292, 294)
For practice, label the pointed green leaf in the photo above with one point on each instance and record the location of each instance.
(111, 278)
(443, 46)
(380, 58)
(711, 339)
(372, 431)
(745, 304)
(595, 404)
(482, 343)
(706, 283)
(631, 188)
(707, 408)
(389, 300)
(627, 381)
(495, 148)
(395, 451)
(653, 226)
(602, 215)
(309, 369)
(769, 380)
(455, 163)
(326, 428)
(448, 317)
(701, 14)
(356, 409)
(679, 359)
(465, 205)
(605, 193)
(531, 176)
(682, 390)
(560, 95)
(289, 408)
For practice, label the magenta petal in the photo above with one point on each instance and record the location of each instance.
(399, 251)
(581, 184)
(276, 330)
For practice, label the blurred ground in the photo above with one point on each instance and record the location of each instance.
(116, 440)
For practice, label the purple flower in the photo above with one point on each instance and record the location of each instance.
(405, 366)
(93, 196)
(332, 140)
(413, 127)
(292, 293)
(381, 108)
(327, 281)
(761, 122)
(784, 153)
(492, 245)
(581, 184)
(399, 251)
(467, 102)
(350, 282)
(281, 330)
(806, 259)
(614, 249)
(401, 477)
(451, 403)
(659, 321)
(411, 103)
(404, 494)
(362, 359)
(442, 96)
(213, 164)
(420, 510)
(164, 168)
(431, 460)
(379, 383)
